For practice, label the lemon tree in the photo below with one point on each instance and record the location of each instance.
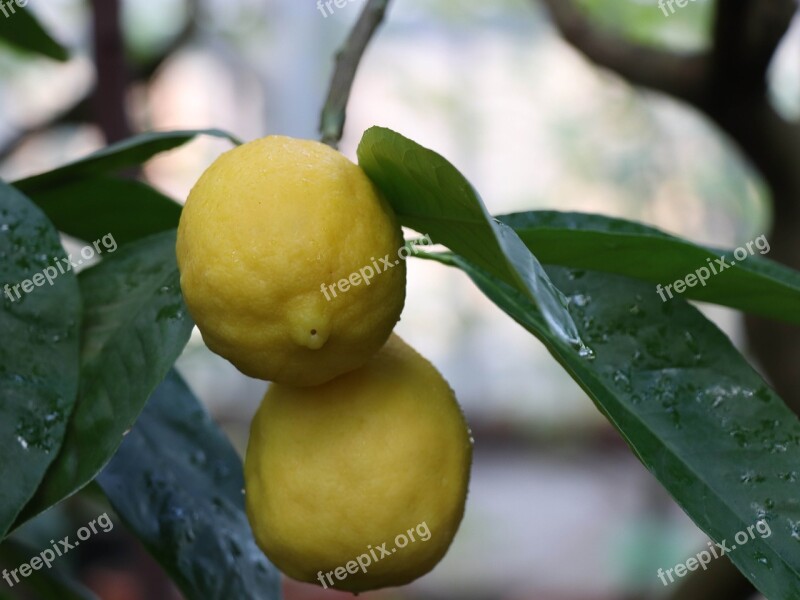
(89, 395)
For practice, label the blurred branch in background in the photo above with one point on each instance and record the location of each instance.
(109, 100)
(677, 75)
(347, 60)
(746, 35)
(721, 580)
(113, 76)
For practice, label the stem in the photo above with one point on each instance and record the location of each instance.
(347, 60)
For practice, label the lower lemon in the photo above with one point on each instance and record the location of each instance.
(359, 483)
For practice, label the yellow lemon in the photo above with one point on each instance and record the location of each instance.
(290, 261)
(359, 483)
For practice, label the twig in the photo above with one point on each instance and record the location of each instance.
(746, 35)
(347, 61)
(676, 74)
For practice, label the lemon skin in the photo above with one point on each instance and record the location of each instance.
(265, 227)
(333, 470)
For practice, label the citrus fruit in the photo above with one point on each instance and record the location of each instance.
(289, 263)
(359, 483)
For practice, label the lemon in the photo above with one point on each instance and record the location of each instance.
(359, 483)
(289, 261)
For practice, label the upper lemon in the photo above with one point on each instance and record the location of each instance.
(266, 232)
(336, 474)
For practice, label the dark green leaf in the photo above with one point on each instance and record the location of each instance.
(128, 209)
(49, 584)
(177, 483)
(39, 354)
(112, 159)
(754, 285)
(22, 30)
(431, 196)
(695, 413)
(135, 326)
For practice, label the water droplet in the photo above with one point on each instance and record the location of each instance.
(760, 511)
(621, 379)
(794, 529)
(751, 477)
(761, 558)
(580, 300)
(235, 547)
(198, 457)
(220, 471)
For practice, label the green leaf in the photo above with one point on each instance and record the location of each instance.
(177, 483)
(127, 209)
(22, 30)
(48, 583)
(135, 326)
(689, 405)
(39, 354)
(754, 285)
(431, 196)
(116, 157)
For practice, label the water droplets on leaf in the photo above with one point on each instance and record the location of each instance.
(794, 530)
(741, 436)
(761, 559)
(198, 458)
(760, 512)
(778, 448)
(221, 471)
(580, 300)
(636, 311)
(586, 352)
(235, 548)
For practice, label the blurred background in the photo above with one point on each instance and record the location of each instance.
(559, 508)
